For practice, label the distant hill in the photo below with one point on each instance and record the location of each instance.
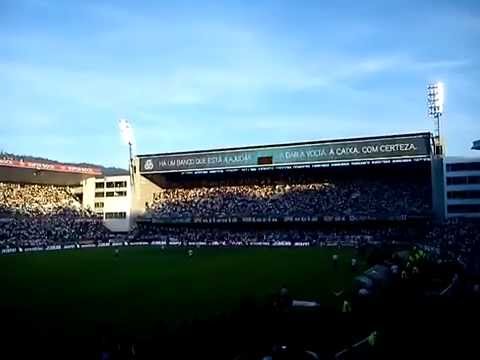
(107, 171)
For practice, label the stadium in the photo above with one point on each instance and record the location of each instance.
(306, 247)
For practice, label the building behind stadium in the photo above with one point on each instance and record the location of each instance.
(111, 198)
(462, 185)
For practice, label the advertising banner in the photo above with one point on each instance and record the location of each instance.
(283, 155)
(50, 167)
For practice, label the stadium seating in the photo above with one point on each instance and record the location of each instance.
(342, 197)
(39, 215)
(36, 200)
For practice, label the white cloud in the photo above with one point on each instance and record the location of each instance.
(190, 84)
(185, 62)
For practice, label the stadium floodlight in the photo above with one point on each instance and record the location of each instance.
(436, 100)
(126, 131)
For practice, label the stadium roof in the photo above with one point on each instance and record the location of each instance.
(310, 153)
(311, 142)
(49, 166)
(43, 173)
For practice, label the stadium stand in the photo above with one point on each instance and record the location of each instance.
(36, 200)
(40, 215)
(294, 197)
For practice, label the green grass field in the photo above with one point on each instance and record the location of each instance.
(80, 289)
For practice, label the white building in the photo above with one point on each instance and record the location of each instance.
(462, 187)
(111, 198)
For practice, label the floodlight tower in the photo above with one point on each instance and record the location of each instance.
(436, 99)
(126, 131)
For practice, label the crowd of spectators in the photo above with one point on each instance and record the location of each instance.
(41, 215)
(50, 230)
(341, 197)
(37, 200)
(459, 235)
(459, 238)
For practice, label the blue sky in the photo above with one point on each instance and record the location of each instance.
(205, 74)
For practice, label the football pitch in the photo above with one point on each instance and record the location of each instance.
(79, 290)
